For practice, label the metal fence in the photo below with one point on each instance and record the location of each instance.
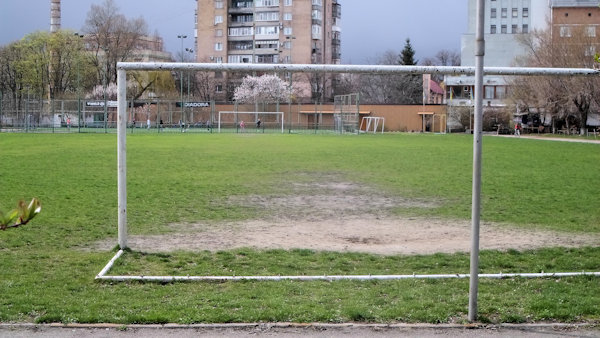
(34, 115)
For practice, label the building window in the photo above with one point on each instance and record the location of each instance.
(267, 30)
(272, 44)
(287, 2)
(515, 12)
(590, 31)
(218, 59)
(218, 32)
(590, 50)
(503, 29)
(240, 45)
(525, 12)
(493, 14)
(317, 2)
(565, 31)
(218, 75)
(287, 31)
(501, 92)
(489, 92)
(287, 16)
(316, 32)
(219, 88)
(504, 12)
(218, 4)
(287, 44)
(317, 14)
(514, 29)
(241, 31)
(218, 46)
(525, 29)
(267, 3)
(239, 59)
(266, 16)
(493, 29)
(218, 19)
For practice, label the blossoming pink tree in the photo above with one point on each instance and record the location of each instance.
(264, 89)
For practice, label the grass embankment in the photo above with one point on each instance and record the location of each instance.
(47, 275)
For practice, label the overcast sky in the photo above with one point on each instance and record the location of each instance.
(369, 28)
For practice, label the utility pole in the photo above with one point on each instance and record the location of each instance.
(181, 78)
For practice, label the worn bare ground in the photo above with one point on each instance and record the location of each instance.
(336, 215)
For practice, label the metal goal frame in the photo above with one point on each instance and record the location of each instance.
(478, 71)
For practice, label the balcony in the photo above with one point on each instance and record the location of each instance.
(243, 6)
(337, 11)
(241, 20)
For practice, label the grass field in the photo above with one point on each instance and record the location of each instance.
(48, 266)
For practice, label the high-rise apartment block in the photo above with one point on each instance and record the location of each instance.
(268, 31)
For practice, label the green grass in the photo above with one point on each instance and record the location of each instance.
(47, 272)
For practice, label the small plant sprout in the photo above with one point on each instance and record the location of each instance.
(21, 215)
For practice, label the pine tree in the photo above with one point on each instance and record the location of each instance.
(407, 56)
(410, 87)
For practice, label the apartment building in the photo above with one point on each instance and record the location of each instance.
(268, 31)
(579, 22)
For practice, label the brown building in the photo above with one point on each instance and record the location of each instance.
(579, 21)
(269, 31)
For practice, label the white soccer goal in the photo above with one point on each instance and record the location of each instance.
(122, 68)
(372, 121)
(250, 119)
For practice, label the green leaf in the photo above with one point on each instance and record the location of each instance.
(6, 219)
(28, 212)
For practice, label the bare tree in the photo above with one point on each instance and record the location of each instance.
(113, 37)
(568, 99)
(443, 57)
(390, 89)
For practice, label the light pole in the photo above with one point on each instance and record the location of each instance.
(181, 78)
(191, 51)
(79, 88)
(104, 84)
(289, 41)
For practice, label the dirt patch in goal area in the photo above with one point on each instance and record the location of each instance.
(345, 217)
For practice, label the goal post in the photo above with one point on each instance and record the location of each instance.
(123, 67)
(373, 121)
(254, 117)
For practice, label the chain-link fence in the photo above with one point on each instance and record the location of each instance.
(33, 115)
